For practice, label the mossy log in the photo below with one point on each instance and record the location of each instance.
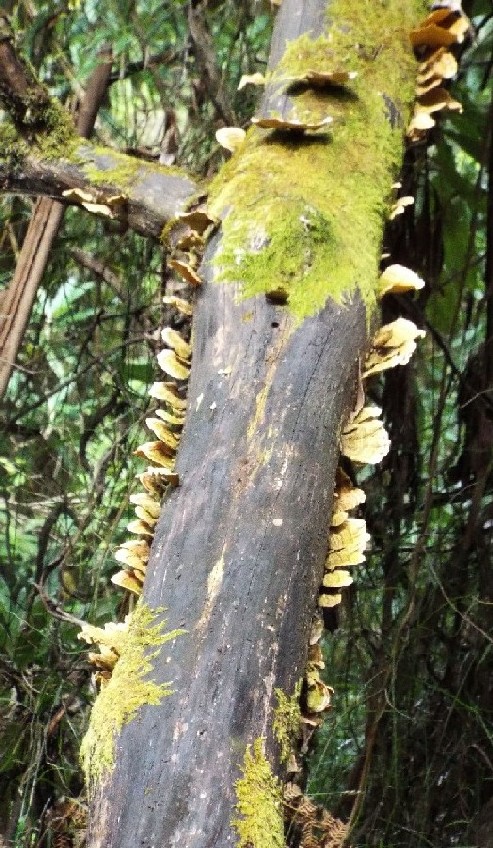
(279, 326)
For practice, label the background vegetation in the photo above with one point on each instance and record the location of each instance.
(408, 749)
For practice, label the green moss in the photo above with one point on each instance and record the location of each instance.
(287, 719)
(304, 54)
(117, 169)
(128, 689)
(305, 214)
(54, 137)
(14, 149)
(259, 803)
(58, 140)
(39, 118)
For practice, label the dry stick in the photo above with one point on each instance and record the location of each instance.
(488, 348)
(17, 300)
(85, 260)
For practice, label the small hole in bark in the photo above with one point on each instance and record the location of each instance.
(277, 296)
(275, 324)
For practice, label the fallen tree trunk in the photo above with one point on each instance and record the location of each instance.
(238, 555)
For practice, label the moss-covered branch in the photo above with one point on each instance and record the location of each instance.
(143, 195)
(24, 98)
(41, 154)
(279, 326)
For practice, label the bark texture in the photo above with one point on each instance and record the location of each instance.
(238, 580)
(151, 195)
(239, 549)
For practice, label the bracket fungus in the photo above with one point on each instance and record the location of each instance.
(172, 366)
(231, 138)
(433, 42)
(291, 124)
(397, 279)
(393, 344)
(365, 439)
(251, 79)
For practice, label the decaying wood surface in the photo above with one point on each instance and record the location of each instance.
(238, 553)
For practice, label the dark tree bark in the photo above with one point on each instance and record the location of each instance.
(247, 631)
(239, 550)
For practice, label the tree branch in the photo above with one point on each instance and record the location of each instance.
(54, 163)
(17, 300)
(239, 550)
(23, 97)
(150, 195)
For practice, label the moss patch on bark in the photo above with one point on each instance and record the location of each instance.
(126, 692)
(305, 213)
(259, 803)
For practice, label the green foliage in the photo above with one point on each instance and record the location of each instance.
(70, 422)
